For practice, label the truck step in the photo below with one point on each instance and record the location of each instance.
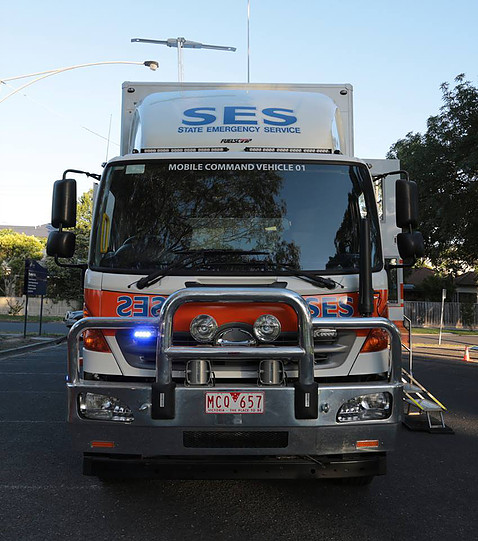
(410, 388)
(423, 404)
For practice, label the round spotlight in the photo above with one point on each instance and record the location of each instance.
(267, 328)
(203, 328)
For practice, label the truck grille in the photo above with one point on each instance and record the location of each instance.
(235, 439)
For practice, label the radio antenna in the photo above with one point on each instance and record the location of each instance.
(248, 41)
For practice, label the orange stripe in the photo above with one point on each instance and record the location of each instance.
(403, 332)
(228, 312)
(367, 443)
(103, 444)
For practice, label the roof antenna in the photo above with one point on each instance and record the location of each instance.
(248, 41)
(182, 43)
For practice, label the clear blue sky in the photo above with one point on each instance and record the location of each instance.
(395, 54)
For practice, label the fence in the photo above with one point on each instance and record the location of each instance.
(455, 314)
(50, 308)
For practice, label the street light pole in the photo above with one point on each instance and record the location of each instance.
(182, 43)
(151, 64)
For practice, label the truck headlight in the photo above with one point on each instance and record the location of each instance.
(366, 407)
(203, 328)
(103, 408)
(267, 328)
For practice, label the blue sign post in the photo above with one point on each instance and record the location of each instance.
(35, 283)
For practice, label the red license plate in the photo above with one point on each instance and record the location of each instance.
(234, 402)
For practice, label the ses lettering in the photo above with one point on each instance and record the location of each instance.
(271, 116)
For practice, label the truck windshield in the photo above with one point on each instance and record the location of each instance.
(238, 217)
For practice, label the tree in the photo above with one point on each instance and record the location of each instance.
(65, 283)
(432, 287)
(444, 161)
(14, 249)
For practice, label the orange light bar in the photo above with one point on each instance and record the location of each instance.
(102, 444)
(367, 444)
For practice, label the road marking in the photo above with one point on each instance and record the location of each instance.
(33, 422)
(49, 487)
(33, 392)
(63, 374)
(7, 360)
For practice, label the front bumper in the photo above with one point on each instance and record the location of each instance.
(193, 432)
(236, 467)
(170, 419)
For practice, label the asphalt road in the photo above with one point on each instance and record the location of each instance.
(52, 327)
(430, 491)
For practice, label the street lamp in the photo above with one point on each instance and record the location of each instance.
(151, 64)
(182, 43)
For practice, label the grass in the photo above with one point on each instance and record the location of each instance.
(428, 330)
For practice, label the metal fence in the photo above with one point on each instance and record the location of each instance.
(455, 314)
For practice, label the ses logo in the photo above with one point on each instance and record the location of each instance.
(331, 306)
(139, 306)
(236, 118)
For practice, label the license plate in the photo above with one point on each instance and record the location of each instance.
(234, 402)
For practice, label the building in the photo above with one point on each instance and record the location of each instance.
(466, 287)
(40, 231)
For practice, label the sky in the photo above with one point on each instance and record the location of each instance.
(396, 54)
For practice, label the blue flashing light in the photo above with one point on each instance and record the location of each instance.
(144, 334)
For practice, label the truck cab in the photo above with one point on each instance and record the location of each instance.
(236, 293)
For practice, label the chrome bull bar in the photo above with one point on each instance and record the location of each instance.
(163, 390)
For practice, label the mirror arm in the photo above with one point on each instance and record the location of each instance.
(82, 266)
(92, 175)
(389, 266)
(399, 172)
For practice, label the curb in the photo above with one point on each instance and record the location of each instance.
(442, 346)
(31, 347)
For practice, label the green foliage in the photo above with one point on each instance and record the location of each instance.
(432, 286)
(14, 249)
(444, 162)
(467, 314)
(65, 283)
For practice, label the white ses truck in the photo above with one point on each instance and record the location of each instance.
(239, 312)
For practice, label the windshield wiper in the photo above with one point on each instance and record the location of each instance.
(308, 276)
(189, 257)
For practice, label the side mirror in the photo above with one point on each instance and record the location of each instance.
(410, 245)
(406, 204)
(61, 244)
(63, 210)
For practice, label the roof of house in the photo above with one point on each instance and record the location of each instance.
(417, 276)
(467, 279)
(40, 231)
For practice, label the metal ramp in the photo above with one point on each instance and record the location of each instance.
(423, 411)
